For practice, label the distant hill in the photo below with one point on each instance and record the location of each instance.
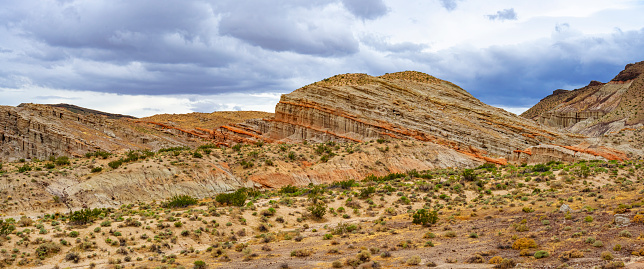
(598, 108)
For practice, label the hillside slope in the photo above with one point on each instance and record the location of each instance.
(598, 108)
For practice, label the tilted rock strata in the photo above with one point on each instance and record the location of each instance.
(406, 105)
(598, 108)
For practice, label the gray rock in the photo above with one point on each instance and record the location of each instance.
(622, 220)
(565, 208)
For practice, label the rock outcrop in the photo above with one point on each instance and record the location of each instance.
(405, 105)
(598, 108)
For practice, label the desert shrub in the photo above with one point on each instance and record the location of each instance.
(625, 233)
(97, 169)
(495, 260)
(180, 201)
(524, 243)
(24, 168)
(173, 149)
(364, 256)
(115, 164)
(301, 253)
(540, 168)
(598, 244)
(199, 264)
(613, 265)
(506, 264)
(289, 189)
(414, 260)
(528, 209)
(521, 228)
(607, 256)
(617, 247)
(571, 254)
(450, 234)
(638, 218)
(46, 249)
(343, 228)
(366, 192)
(317, 210)
(73, 257)
(469, 175)
(268, 212)
(6, 227)
(337, 264)
(429, 235)
(62, 160)
(85, 215)
(541, 254)
(424, 217)
(345, 184)
(588, 219)
(237, 198)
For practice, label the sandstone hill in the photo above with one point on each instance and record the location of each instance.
(598, 108)
(344, 127)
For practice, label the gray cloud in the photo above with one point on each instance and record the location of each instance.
(366, 9)
(301, 29)
(212, 48)
(502, 15)
(449, 4)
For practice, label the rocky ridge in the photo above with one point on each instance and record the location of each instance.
(598, 108)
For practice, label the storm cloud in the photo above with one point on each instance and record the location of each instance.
(145, 57)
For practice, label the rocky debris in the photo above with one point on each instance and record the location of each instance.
(598, 108)
(622, 220)
(565, 208)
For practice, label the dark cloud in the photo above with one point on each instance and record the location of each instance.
(300, 29)
(502, 15)
(520, 75)
(449, 4)
(206, 48)
(366, 9)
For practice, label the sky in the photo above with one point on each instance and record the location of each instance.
(146, 57)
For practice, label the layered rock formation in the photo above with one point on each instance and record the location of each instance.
(40, 131)
(598, 108)
(405, 105)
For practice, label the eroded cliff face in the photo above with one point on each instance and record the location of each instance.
(598, 108)
(406, 105)
(33, 131)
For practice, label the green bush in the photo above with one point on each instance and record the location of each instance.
(289, 189)
(24, 168)
(115, 164)
(6, 228)
(541, 254)
(469, 175)
(541, 168)
(424, 217)
(199, 265)
(237, 198)
(346, 184)
(62, 160)
(46, 249)
(181, 201)
(97, 169)
(317, 210)
(85, 215)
